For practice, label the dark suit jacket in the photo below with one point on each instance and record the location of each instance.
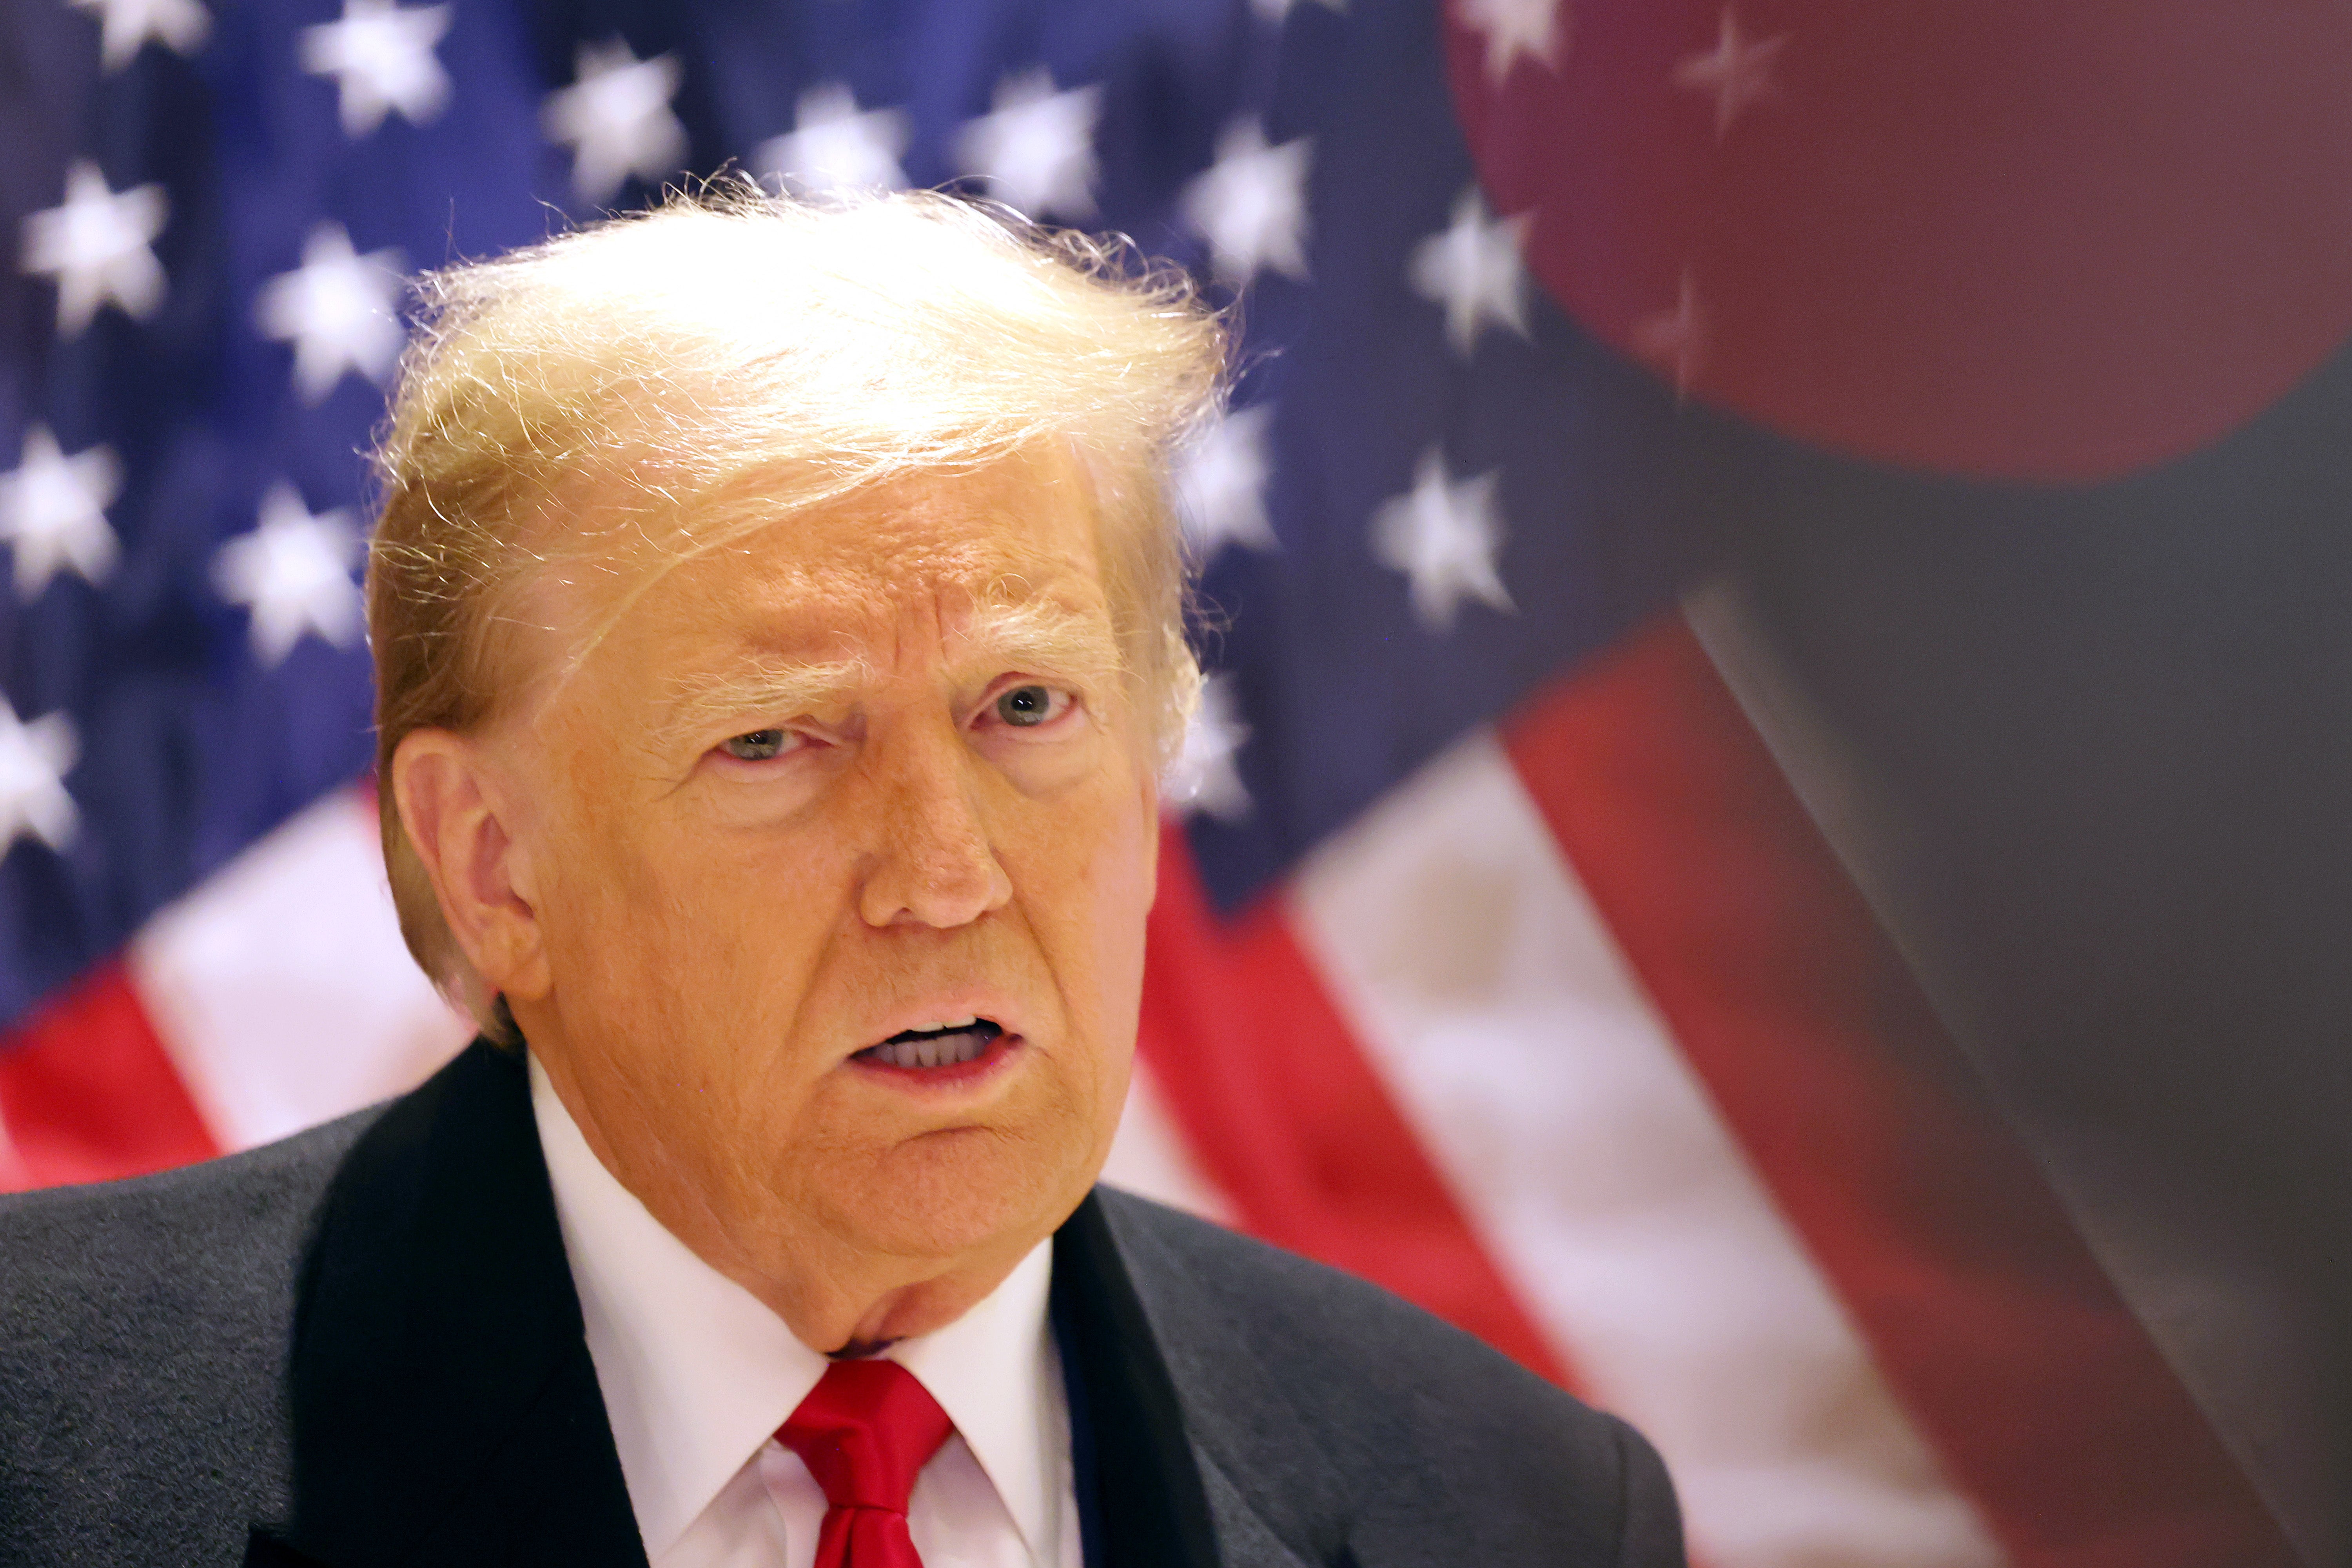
(361, 1346)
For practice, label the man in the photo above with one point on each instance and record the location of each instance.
(778, 633)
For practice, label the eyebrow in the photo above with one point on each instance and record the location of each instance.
(758, 684)
(1039, 637)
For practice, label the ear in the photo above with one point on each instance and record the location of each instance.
(453, 810)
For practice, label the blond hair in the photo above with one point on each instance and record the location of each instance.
(826, 347)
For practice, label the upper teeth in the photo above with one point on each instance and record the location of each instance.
(963, 1022)
(934, 1051)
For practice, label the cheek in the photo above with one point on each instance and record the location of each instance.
(682, 1001)
(1096, 942)
(1123, 884)
(669, 932)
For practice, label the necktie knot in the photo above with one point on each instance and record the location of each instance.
(865, 1431)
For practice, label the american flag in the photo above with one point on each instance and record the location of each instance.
(1496, 958)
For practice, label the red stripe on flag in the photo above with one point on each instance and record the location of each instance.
(88, 1093)
(1289, 1120)
(2048, 1401)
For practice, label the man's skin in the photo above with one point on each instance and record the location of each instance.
(865, 769)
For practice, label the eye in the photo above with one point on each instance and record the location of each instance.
(1026, 707)
(758, 745)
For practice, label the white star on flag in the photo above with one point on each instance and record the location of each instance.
(617, 120)
(1251, 204)
(1674, 341)
(34, 761)
(338, 309)
(1221, 483)
(1035, 149)
(95, 244)
(382, 57)
(1473, 269)
(837, 146)
(1515, 27)
(1278, 11)
(180, 26)
(1202, 777)
(1738, 71)
(294, 572)
(1442, 535)
(53, 512)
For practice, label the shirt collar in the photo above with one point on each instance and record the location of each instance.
(697, 1373)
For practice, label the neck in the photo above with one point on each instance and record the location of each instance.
(843, 1317)
(860, 1350)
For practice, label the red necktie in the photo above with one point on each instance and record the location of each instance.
(864, 1431)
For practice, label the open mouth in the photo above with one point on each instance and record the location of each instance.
(951, 1042)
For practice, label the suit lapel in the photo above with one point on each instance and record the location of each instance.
(1258, 1469)
(1149, 1495)
(1140, 1500)
(1246, 1538)
(445, 1407)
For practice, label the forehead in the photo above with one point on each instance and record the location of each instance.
(848, 575)
(1017, 527)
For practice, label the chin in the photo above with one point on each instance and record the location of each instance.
(950, 1195)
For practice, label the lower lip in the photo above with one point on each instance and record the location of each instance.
(995, 1055)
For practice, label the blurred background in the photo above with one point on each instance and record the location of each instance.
(1768, 830)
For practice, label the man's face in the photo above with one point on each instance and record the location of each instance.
(866, 770)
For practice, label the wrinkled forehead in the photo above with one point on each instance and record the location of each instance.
(631, 567)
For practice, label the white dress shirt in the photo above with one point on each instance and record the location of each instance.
(698, 1375)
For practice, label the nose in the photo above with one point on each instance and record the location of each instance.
(930, 863)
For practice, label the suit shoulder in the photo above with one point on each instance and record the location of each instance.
(1307, 1311)
(144, 1330)
(65, 1231)
(133, 1249)
(1353, 1414)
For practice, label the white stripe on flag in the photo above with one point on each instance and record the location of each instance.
(1482, 984)
(281, 986)
(1151, 1159)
